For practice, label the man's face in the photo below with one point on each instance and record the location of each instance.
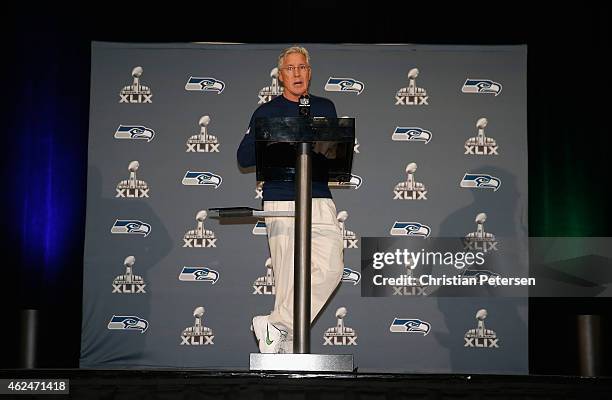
(295, 82)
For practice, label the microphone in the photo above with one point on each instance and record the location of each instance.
(304, 105)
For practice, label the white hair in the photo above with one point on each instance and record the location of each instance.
(291, 50)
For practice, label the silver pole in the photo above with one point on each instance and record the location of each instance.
(301, 275)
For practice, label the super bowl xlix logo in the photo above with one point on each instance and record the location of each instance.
(136, 92)
(265, 284)
(128, 283)
(340, 335)
(481, 337)
(480, 240)
(349, 238)
(132, 187)
(410, 289)
(200, 237)
(275, 89)
(198, 334)
(481, 144)
(411, 95)
(203, 142)
(410, 189)
(415, 289)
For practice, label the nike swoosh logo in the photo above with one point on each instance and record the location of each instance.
(268, 341)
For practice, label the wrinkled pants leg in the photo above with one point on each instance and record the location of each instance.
(326, 257)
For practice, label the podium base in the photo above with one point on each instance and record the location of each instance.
(301, 362)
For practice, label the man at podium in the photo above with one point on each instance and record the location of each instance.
(274, 332)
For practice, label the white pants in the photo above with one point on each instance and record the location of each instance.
(326, 257)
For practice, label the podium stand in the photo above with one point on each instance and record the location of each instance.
(300, 150)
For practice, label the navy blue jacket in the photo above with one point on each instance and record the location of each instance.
(282, 107)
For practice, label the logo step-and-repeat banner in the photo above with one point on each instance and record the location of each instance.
(441, 148)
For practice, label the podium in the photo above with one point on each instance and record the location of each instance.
(300, 150)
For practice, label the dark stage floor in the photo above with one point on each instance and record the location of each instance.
(198, 384)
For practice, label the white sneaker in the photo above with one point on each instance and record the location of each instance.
(286, 347)
(269, 337)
